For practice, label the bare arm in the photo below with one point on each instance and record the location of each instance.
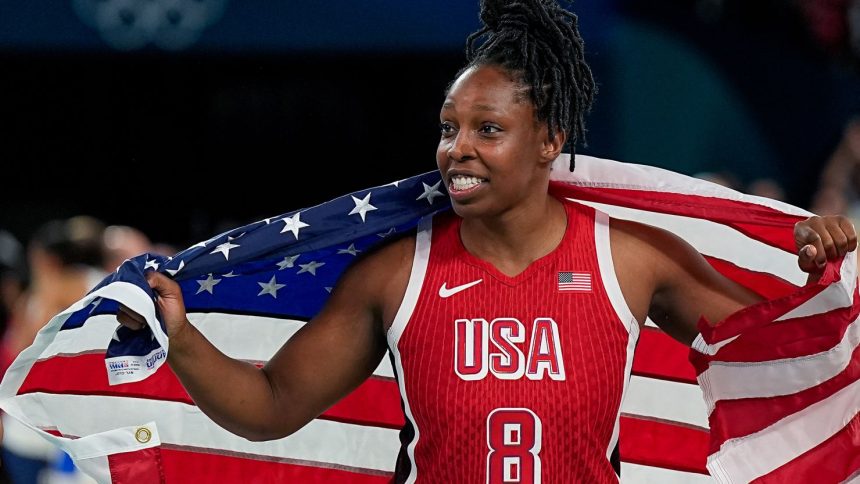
(325, 360)
(665, 278)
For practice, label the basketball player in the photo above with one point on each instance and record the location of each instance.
(503, 377)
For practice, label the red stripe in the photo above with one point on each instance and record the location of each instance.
(138, 467)
(376, 402)
(662, 444)
(765, 285)
(834, 460)
(203, 468)
(737, 418)
(792, 338)
(758, 222)
(660, 356)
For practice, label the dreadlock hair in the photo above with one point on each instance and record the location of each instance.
(539, 43)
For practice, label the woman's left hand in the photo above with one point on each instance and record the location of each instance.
(819, 239)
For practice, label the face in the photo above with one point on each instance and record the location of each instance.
(492, 153)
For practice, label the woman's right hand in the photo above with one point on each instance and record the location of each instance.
(170, 305)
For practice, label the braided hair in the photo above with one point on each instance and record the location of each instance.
(538, 42)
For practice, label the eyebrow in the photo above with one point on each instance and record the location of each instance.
(476, 107)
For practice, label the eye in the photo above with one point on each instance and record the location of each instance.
(489, 129)
(446, 128)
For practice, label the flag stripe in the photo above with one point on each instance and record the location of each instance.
(736, 418)
(765, 285)
(322, 441)
(658, 399)
(659, 444)
(832, 461)
(374, 402)
(792, 436)
(647, 474)
(182, 464)
(660, 356)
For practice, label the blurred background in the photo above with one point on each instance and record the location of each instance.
(148, 125)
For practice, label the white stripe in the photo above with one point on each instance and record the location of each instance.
(716, 240)
(97, 468)
(755, 455)
(599, 172)
(639, 474)
(180, 424)
(632, 338)
(607, 270)
(228, 332)
(423, 241)
(666, 400)
(729, 381)
(836, 295)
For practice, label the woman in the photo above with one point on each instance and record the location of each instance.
(558, 289)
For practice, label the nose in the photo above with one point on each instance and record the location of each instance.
(461, 148)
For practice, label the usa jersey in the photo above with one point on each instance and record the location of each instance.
(512, 379)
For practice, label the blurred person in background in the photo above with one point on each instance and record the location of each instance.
(839, 186)
(66, 259)
(123, 242)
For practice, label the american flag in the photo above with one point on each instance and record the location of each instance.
(574, 281)
(104, 395)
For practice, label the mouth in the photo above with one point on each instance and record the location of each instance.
(462, 183)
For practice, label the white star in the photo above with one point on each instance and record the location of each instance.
(207, 284)
(95, 304)
(294, 224)
(351, 250)
(115, 336)
(271, 288)
(231, 239)
(311, 267)
(288, 262)
(396, 183)
(151, 264)
(328, 289)
(230, 274)
(173, 272)
(362, 206)
(430, 192)
(225, 249)
(386, 234)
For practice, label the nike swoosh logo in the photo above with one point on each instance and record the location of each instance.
(445, 292)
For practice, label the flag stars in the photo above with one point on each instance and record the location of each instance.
(430, 192)
(271, 288)
(229, 275)
(288, 262)
(311, 267)
(151, 264)
(293, 224)
(225, 249)
(173, 272)
(207, 284)
(351, 250)
(362, 206)
(386, 234)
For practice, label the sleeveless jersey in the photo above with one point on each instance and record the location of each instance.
(512, 379)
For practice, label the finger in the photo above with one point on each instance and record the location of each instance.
(813, 232)
(806, 258)
(850, 232)
(161, 284)
(129, 321)
(840, 240)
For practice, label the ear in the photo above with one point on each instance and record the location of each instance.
(552, 146)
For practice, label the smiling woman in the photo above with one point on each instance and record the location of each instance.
(559, 288)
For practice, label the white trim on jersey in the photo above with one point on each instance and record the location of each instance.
(616, 298)
(401, 319)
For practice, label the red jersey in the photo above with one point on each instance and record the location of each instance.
(512, 379)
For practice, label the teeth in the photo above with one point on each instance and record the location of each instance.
(461, 182)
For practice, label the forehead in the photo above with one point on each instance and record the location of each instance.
(485, 86)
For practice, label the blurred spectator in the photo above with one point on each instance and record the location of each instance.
(839, 186)
(724, 178)
(768, 188)
(66, 260)
(123, 242)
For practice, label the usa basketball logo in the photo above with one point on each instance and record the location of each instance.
(133, 24)
(574, 281)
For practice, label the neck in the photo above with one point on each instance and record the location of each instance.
(515, 238)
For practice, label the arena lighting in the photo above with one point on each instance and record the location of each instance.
(134, 24)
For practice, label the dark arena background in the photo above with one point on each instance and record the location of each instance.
(182, 117)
